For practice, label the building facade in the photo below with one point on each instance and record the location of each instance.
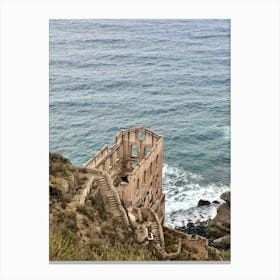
(134, 164)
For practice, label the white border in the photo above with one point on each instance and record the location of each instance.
(255, 138)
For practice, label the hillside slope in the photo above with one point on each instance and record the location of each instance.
(81, 228)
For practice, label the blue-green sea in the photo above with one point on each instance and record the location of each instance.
(171, 76)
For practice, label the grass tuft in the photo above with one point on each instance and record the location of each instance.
(87, 211)
(218, 255)
(63, 248)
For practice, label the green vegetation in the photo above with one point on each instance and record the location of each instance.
(87, 211)
(89, 233)
(63, 248)
(218, 255)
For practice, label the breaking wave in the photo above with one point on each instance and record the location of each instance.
(183, 190)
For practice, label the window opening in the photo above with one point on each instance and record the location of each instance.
(147, 150)
(141, 135)
(134, 150)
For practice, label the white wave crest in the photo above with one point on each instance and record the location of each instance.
(183, 190)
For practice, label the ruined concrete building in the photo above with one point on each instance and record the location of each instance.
(129, 178)
(134, 164)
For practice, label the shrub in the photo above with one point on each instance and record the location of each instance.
(61, 248)
(98, 204)
(218, 255)
(88, 212)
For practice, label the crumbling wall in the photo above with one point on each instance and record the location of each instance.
(134, 164)
(108, 159)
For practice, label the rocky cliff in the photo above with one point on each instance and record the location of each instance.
(82, 228)
(217, 230)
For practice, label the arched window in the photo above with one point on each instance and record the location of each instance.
(157, 160)
(151, 168)
(144, 178)
(137, 185)
(133, 150)
(147, 150)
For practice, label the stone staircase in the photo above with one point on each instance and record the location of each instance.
(156, 233)
(158, 240)
(114, 206)
(111, 196)
(163, 255)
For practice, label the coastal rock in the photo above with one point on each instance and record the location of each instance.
(198, 228)
(220, 225)
(222, 242)
(203, 202)
(216, 202)
(195, 249)
(226, 197)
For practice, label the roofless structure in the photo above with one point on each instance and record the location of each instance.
(134, 167)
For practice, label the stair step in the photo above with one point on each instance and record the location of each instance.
(112, 202)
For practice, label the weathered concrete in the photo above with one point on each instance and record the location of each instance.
(134, 164)
(129, 175)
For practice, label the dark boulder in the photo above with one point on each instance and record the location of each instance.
(216, 202)
(203, 202)
(199, 228)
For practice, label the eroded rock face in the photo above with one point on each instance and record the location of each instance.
(195, 250)
(226, 197)
(222, 242)
(220, 225)
(218, 229)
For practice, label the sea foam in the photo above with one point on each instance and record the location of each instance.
(183, 190)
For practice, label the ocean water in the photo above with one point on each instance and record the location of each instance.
(171, 76)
